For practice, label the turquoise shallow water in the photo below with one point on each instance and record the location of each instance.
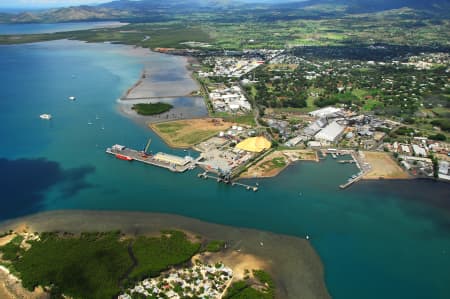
(376, 239)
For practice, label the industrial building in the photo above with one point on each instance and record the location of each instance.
(330, 133)
(326, 112)
(171, 159)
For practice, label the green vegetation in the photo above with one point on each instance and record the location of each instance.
(438, 137)
(245, 119)
(215, 246)
(94, 265)
(12, 250)
(151, 108)
(86, 267)
(170, 127)
(243, 289)
(158, 254)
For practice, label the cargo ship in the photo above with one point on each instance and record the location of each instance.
(123, 157)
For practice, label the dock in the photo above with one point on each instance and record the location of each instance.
(170, 162)
(362, 171)
(205, 175)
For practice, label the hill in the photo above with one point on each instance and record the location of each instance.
(365, 6)
(224, 11)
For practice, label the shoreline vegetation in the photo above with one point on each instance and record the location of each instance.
(294, 267)
(151, 108)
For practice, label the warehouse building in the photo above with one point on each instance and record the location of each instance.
(330, 133)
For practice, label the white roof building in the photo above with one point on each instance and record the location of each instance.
(330, 133)
(419, 151)
(325, 112)
(443, 167)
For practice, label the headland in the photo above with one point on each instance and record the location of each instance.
(294, 265)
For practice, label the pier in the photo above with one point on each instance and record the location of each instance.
(362, 170)
(205, 175)
(170, 162)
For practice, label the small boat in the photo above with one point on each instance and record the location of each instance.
(123, 157)
(307, 237)
(261, 243)
(45, 116)
(90, 123)
(72, 98)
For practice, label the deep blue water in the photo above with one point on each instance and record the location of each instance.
(376, 239)
(9, 29)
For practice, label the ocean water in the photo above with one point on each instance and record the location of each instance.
(9, 29)
(382, 239)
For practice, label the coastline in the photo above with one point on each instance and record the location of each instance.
(295, 266)
(289, 156)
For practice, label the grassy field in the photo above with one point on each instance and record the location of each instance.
(151, 108)
(246, 119)
(186, 133)
(270, 166)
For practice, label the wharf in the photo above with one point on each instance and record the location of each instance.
(362, 170)
(205, 175)
(128, 154)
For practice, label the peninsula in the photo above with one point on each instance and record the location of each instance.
(245, 258)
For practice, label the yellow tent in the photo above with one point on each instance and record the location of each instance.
(254, 144)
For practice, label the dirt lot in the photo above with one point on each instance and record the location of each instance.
(383, 166)
(277, 161)
(186, 133)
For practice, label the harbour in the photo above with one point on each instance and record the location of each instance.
(163, 160)
(346, 227)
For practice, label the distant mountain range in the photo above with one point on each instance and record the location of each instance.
(157, 10)
(361, 6)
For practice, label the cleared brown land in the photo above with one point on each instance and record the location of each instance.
(186, 133)
(277, 161)
(383, 166)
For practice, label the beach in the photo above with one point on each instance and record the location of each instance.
(293, 263)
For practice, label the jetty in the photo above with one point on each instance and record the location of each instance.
(205, 175)
(163, 160)
(356, 178)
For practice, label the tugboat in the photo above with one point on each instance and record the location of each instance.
(45, 116)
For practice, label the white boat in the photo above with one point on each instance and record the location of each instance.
(45, 116)
(72, 98)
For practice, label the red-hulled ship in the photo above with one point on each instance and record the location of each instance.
(123, 157)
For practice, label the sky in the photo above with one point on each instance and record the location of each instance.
(45, 3)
